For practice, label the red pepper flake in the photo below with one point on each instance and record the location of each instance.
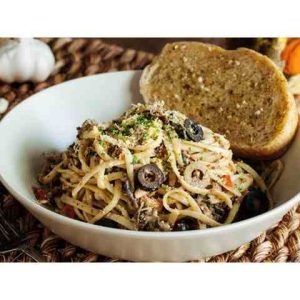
(40, 194)
(228, 181)
(68, 211)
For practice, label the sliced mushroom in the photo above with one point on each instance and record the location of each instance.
(172, 178)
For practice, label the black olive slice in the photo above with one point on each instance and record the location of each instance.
(107, 223)
(193, 130)
(254, 203)
(150, 177)
(186, 224)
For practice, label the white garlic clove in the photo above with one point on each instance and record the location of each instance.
(3, 105)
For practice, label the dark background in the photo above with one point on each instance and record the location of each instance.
(154, 45)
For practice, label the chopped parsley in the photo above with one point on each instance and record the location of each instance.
(142, 120)
(126, 130)
(113, 130)
(135, 160)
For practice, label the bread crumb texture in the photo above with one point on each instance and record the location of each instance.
(245, 88)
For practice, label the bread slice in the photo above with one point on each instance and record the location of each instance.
(239, 93)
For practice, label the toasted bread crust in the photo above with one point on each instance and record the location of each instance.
(270, 144)
(276, 147)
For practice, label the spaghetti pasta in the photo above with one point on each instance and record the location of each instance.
(144, 172)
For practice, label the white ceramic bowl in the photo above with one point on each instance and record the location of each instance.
(48, 121)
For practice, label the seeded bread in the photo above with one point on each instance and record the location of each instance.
(239, 93)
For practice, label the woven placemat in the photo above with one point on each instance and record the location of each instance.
(80, 57)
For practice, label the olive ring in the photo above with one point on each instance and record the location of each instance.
(193, 131)
(150, 177)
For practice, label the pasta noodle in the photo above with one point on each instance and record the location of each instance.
(152, 169)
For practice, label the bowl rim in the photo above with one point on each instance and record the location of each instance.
(36, 207)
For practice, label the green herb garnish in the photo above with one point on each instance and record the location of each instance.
(135, 160)
(142, 120)
(126, 130)
(113, 131)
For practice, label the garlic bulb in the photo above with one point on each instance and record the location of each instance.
(26, 59)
